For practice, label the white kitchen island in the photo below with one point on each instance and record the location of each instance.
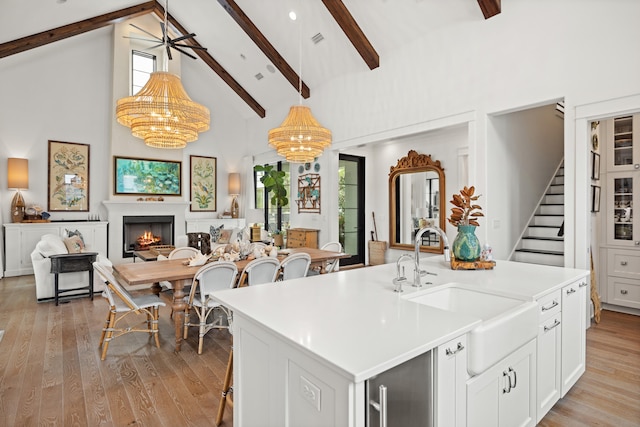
(304, 349)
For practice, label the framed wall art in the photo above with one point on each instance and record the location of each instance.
(595, 198)
(595, 166)
(68, 177)
(203, 184)
(309, 193)
(147, 176)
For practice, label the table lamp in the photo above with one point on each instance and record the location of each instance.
(17, 179)
(254, 217)
(234, 191)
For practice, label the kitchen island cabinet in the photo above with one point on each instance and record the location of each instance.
(304, 349)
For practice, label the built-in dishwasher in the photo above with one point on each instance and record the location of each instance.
(403, 395)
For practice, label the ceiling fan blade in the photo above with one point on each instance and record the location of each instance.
(164, 34)
(169, 53)
(189, 46)
(154, 46)
(141, 39)
(188, 36)
(145, 31)
(184, 52)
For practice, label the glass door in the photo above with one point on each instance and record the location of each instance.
(351, 208)
(623, 191)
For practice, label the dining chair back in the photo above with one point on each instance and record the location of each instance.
(260, 270)
(179, 253)
(209, 278)
(122, 304)
(335, 264)
(295, 266)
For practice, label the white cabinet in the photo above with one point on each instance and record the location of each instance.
(574, 305)
(623, 280)
(451, 376)
(21, 238)
(549, 353)
(623, 194)
(504, 395)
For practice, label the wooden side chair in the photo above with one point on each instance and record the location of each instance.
(121, 305)
(295, 266)
(210, 278)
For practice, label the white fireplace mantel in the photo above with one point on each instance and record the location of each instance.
(118, 208)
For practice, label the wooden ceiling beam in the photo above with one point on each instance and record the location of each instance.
(211, 62)
(490, 7)
(41, 39)
(353, 32)
(264, 45)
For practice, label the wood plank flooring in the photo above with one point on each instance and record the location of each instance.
(51, 373)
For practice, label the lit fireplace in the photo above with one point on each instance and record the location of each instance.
(147, 239)
(142, 231)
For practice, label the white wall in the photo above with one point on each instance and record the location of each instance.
(533, 53)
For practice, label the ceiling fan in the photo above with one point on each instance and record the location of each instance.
(167, 41)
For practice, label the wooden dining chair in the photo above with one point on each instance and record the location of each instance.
(211, 277)
(295, 266)
(121, 305)
(260, 270)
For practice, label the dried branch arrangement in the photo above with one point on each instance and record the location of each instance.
(465, 211)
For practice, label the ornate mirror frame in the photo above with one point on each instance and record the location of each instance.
(414, 163)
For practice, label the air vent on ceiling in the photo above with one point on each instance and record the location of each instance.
(259, 76)
(317, 38)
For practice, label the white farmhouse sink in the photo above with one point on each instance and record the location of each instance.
(507, 323)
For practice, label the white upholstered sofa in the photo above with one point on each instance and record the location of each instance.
(52, 244)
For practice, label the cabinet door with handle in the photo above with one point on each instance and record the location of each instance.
(451, 373)
(574, 307)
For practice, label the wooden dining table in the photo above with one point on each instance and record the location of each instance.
(179, 273)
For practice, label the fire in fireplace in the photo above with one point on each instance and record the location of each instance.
(141, 232)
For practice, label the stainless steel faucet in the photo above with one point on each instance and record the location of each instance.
(400, 278)
(417, 273)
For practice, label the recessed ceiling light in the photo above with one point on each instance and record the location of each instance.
(292, 15)
(242, 56)
(271, 68)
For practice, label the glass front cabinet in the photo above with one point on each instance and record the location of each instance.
(624, 149)
(623, 192)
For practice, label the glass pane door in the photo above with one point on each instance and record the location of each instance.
(351, 208)
(623, 208)
(623, 141)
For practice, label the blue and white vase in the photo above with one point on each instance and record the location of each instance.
(466, 246)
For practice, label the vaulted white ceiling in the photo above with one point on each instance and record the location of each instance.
(387, 24)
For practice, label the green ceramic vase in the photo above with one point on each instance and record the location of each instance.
(466, 246)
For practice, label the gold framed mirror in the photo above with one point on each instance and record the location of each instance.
(416, 199)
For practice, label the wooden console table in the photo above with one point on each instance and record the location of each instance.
(71, 263)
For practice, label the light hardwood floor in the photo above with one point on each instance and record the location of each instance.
(51, 373)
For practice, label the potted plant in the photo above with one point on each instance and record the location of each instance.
(464, 215)
(277, 238)
(273, 181)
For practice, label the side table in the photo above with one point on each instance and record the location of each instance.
(70, 263)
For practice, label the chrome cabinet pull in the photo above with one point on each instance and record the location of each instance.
(515, 378)
(623, 262)
(624, 292)
(458, 349)
(549, 307)
(582, 284)
(555, 324)
(507, 387)
(570, 291)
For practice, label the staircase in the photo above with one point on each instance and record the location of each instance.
(540, 243)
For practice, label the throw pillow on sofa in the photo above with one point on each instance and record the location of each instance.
(74, 244)
(215, 233)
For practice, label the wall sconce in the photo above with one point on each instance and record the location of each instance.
(17, 179)
(234, 190)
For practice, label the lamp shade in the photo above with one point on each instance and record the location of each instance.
(18, 173)
(234, 183)
(162, 114)
(422, 213)
(255, 216)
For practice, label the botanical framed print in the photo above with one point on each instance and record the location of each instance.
(147, 176)
(68, 177)
(203, 184)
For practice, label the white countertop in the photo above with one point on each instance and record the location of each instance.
(353, 320)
